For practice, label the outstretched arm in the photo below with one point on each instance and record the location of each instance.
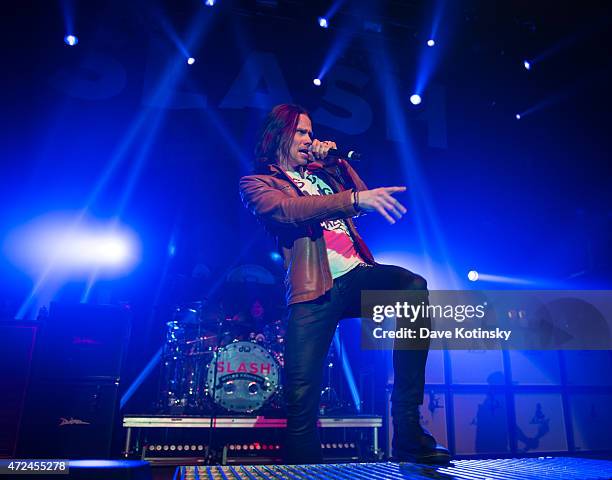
(274, 206)
(381, 200)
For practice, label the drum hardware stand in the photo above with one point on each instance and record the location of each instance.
(329, 394)
(213, 413)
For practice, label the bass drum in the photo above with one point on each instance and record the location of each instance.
(247, 377)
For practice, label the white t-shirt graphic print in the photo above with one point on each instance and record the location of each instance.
(341, 252)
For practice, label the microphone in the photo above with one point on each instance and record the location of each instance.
(345, 153)
(351, 155)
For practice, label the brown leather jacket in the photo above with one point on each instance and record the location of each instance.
(295, 221)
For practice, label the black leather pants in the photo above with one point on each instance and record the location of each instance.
(311, 327)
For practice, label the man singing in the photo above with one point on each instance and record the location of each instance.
(307, 200)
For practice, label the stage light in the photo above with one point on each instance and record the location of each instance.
(431, 42)
(72, 248)
(323, 22)
(415, 99)
(93, 249)
(71, 40)
(209, 3)
(503, 279)
(105, 250)
(518, 116)
(275, 256)
(527, 65)
(317, 82)
(190, 61)
(348, 371)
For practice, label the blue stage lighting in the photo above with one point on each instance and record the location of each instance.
(370, 26)
(275, 256)
(70, 247)
(93, 249)
(190, 61)
(209, 3)
(503, 279)
(472, 275)
(348, 372)
(518, 116)
(323, 22)
(527, 65)
(431, 42)
(317, 82)
(415, 99)
(71, 40)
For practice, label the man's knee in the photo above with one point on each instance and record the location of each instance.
(418, 282)
(412, 281)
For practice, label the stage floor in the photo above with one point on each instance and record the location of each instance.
(561, 468)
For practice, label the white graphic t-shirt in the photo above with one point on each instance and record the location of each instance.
(341, 251)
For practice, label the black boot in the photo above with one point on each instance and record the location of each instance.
(412, 443)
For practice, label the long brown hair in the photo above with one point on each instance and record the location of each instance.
(276, 134)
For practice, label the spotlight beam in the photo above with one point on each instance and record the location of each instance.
(68, 12)
(429, 57)
(169, 30)
(601, 24)
(197, 29)
(486, 277)
(142, 376)
(425, 216)
(333, 9)
(161, 96)
(230, 140)
(338, 47)
(562, 95)
(348, 371)
(437, 18)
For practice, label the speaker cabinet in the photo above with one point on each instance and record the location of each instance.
(16, 346)
(71, 402)
(68, 420)
(80, 342)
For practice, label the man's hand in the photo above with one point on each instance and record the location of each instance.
(381, 201)
(318, 152)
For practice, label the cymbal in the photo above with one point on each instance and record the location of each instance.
(252, 274)
(201, 339)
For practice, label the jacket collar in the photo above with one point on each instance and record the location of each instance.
(276, 171)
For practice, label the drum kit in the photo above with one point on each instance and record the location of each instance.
(227, 355)
(215, 362)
